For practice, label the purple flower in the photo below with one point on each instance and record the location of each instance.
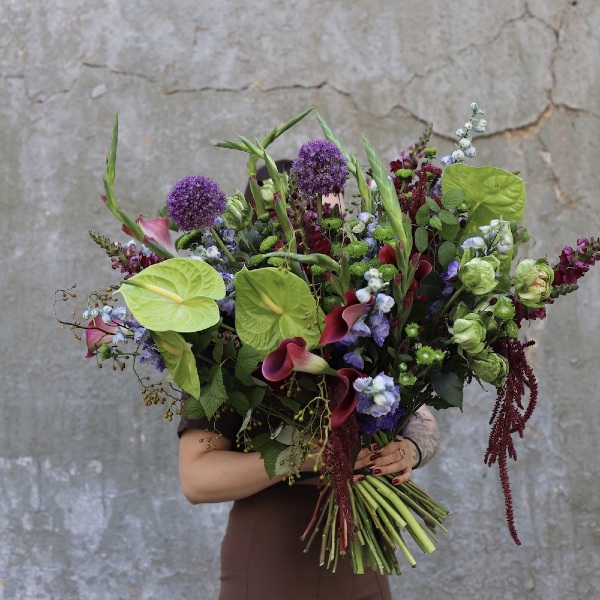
(320, 168)
(195, 202)
(369, 425)
(355, 359)
(380, 328)
(152, 357)
(359, 329)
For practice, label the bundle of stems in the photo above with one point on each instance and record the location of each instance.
(381, 513)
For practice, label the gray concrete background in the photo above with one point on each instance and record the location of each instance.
(90, 505)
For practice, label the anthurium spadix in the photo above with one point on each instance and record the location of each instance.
(178, 294)
(272, 305)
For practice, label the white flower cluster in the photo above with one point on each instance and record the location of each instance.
(496, 237)
(464, 146)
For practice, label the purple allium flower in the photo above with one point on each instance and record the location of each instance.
(195, 202)
(320, 168)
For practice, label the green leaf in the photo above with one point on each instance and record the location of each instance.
(423, 214)
(421, 239)
(246, 363)
(448, 386)
(179, 360)
(453, 198)
(490, 193)
(432, 204)
(447, 217)
(272, 305)
(446, 253)
(431, 285)
(239, 401)
(175, 295)
(272, 452)
(214, 394)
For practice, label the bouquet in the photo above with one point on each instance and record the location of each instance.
(335, 324)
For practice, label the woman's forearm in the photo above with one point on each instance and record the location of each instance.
(219, 474)
(424, 432)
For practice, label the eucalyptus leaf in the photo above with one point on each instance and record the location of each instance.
(273, 305)
(175, 295)
(179, 360)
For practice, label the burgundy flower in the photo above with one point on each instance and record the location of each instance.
(343, 396)
(99, 333)
(340, 319)
(291, 355)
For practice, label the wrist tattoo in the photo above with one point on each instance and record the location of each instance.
(423, 431)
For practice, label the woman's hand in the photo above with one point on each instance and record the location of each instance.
(398, 457)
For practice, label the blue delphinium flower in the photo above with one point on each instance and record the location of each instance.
(320, 168)
(378, 403)
(195, 202)
(355, 359)
(380, 328)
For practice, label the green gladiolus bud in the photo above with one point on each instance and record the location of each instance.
(533, 282)
(489, 366)
(469, 333)
(479, 275)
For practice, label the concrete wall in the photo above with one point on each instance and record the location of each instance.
(90, 505)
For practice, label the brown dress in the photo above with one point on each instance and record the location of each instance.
(262, 555)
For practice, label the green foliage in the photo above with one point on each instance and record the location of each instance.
(179, 360)
(175, 295)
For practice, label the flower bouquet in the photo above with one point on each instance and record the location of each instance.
(335, 324)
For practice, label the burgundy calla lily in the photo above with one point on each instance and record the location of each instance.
(291, 355)
(387, 255)
(99, 333)
(343, 396)
(339, 321)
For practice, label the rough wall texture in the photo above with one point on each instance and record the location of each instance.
(90, 505)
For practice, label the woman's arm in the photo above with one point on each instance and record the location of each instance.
(210, 471)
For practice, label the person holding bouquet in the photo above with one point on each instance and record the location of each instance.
(261, 554)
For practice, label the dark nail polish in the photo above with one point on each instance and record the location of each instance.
(375, 456)
(376, 471)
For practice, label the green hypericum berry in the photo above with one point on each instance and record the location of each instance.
(268, 243)
(407, 379)
(426, 355)
(256, 260)
(330, 302)
(504, 309)
(357, 249)
(388, 272)
(317, 270)
(412, 330)
(383, 233)
(358, 269)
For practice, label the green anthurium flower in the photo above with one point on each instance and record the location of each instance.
(272, 305)
(175, 295)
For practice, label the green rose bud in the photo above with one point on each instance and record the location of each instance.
(479, 275)
(533, 282)
(469, 333)
(489, 366)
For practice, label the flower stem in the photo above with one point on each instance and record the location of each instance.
(221, 245)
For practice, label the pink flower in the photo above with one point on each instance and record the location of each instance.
(156, 230)
(291, 355)
(99, 333)
(339, 321)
